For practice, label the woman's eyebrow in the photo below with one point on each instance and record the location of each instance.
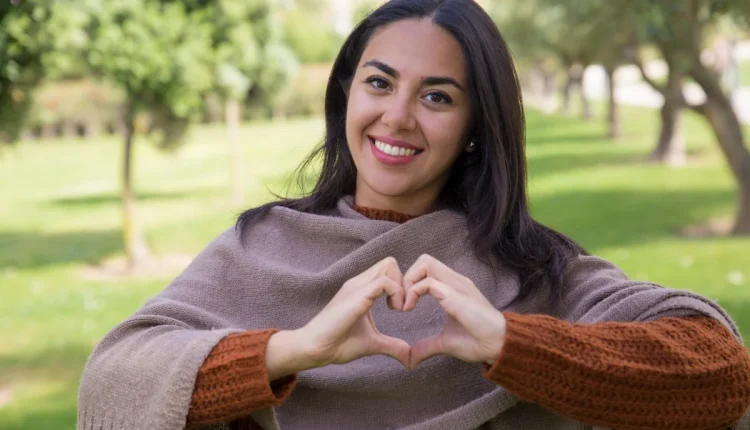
(442, 80)
(388, 70)
(427, 81)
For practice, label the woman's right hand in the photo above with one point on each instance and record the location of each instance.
(343, 331)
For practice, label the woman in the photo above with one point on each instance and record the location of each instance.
(411, 288)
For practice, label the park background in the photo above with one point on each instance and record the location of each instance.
(132, 133)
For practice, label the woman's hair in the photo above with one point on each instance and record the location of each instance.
(487, 185)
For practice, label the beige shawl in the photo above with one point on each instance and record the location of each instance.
(142, 373)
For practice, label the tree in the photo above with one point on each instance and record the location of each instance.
(309, 31)
(578, 33)
(251, 65)
(161, 56)
(36, 39)
(678, 29)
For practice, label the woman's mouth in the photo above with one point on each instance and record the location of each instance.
(392, 154)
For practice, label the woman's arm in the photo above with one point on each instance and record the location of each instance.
(672, 360)
(246, 372)
(672, 373)
(142, 374)
(235, 380)
(252, 370)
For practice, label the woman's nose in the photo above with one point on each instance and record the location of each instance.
(399, 114)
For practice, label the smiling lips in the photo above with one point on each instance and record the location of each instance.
(392, 152)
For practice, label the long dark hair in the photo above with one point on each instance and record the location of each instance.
(488, 185)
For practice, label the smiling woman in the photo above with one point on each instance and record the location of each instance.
(408, 99)
(308, 313)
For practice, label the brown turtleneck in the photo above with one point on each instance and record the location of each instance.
(652, 359)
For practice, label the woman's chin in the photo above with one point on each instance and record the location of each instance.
(386, 190)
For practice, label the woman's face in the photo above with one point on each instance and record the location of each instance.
(407, 115)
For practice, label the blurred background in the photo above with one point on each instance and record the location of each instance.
(132, 133)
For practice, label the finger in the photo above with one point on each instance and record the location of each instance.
(427, 266)
(387, 266)
(418, 271)
(388, 286)
(430, 286)
(424, 349)
(393, 347)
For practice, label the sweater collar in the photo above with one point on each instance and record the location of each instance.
(384, 214)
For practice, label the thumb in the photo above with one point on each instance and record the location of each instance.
(424, 349)
(393, 347)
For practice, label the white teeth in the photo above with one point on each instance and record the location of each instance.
(395, 151)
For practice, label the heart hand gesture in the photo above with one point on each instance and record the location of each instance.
(474, 330)
(344, 331)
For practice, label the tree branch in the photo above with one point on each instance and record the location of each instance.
(699, 108)
(662, 90)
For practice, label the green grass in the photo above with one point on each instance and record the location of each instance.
(60, 214)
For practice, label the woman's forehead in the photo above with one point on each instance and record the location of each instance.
(416, 48)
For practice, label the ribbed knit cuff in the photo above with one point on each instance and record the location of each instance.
(673, 373)
(233, 381)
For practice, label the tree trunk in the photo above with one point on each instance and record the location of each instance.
(585, 105)
(726, 126)
(232, 118)
(92, 130)
(671, 148)
(135, 245)
(69, 130)
(566, 94)
(613, 111)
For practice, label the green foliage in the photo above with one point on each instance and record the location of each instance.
(309, 34)
(575, 31)
(251, 61)
(157, 52)
(364, 7)
(306, 95)
(83, 102)
(37, 39)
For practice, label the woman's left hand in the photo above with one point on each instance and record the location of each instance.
(474, 330)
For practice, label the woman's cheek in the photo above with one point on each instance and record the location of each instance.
(443, 132)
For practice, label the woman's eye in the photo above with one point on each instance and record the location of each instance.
(438, 98)
(378, 83)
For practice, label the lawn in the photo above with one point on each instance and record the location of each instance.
(60, 216)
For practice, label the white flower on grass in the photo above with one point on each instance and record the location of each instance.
(735, 277)
(90, 303)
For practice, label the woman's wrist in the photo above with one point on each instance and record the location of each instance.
(286, 355)
(502, 327)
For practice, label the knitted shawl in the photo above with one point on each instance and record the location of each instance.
(290, 265)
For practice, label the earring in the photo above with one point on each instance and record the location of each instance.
(472, 147)
(471, 144)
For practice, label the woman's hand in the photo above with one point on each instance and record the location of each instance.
(474, 330)
(344, 331)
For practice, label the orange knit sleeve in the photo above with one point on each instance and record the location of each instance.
(233, 382)
(672, 373)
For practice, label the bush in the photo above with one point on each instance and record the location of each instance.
(310, 41)
(306, 95)
(75, 107)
